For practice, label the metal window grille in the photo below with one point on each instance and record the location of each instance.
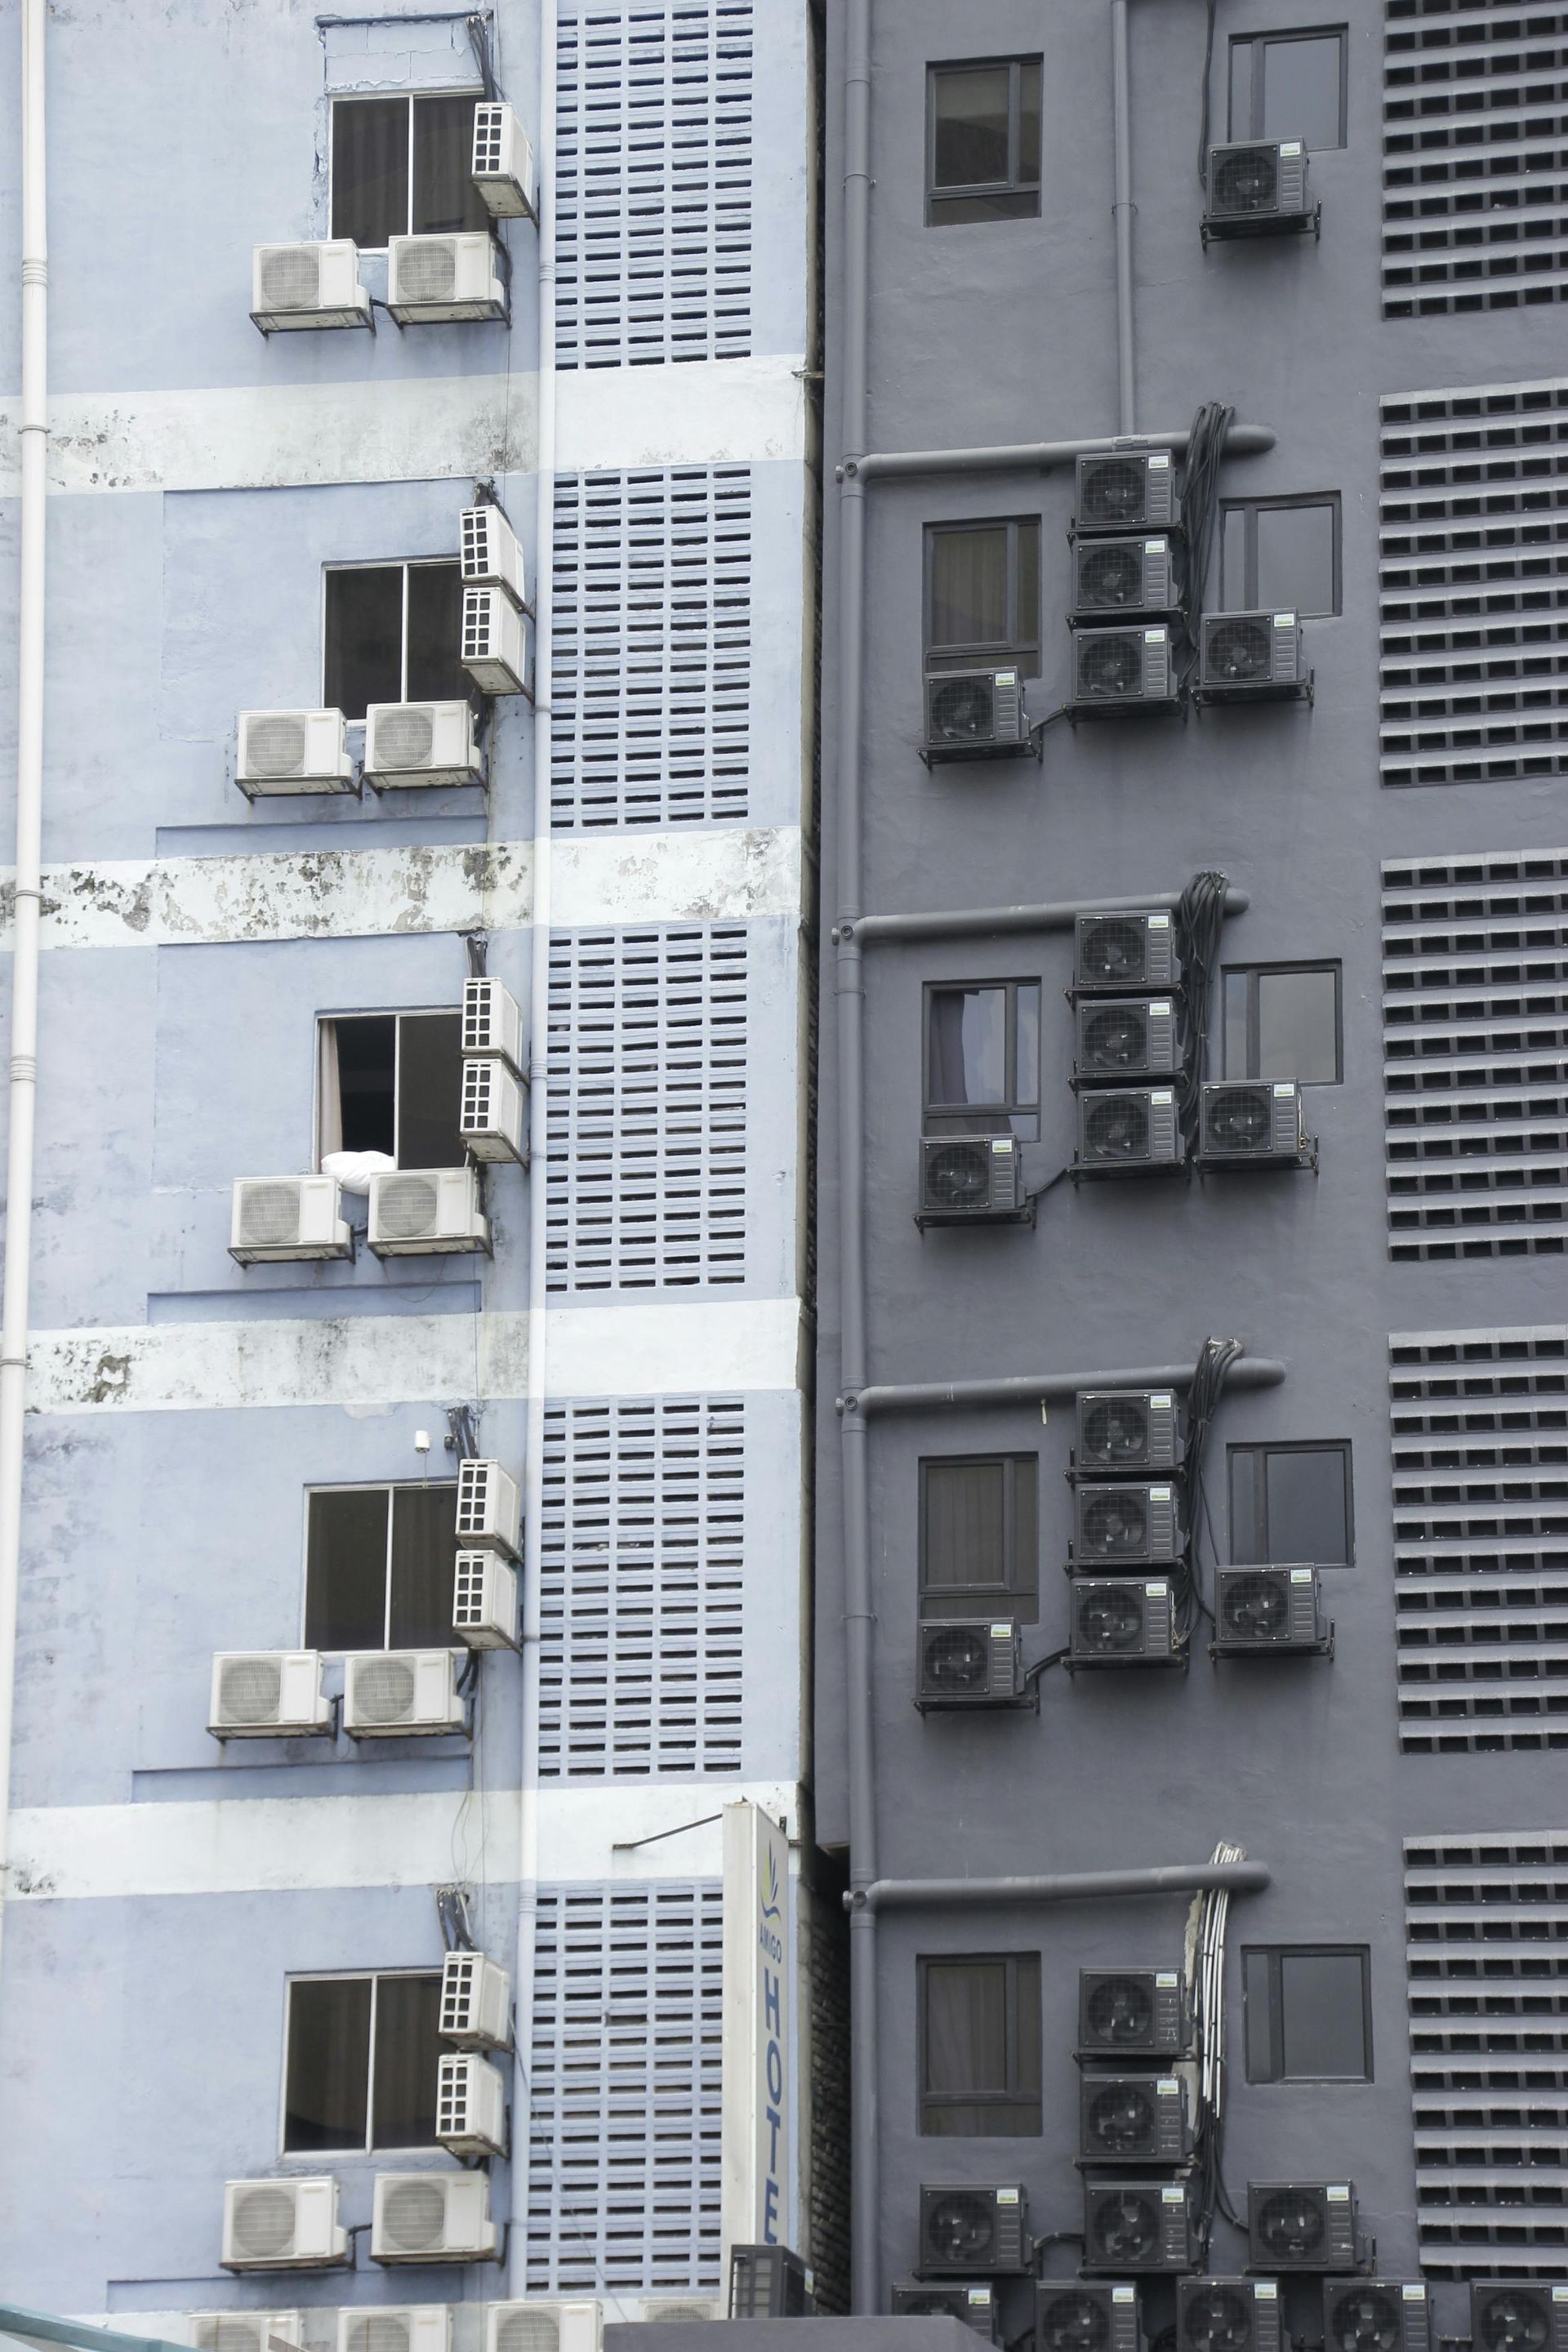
(641, 1588)
(653, 185)
(624, 2121)
(647, 1161)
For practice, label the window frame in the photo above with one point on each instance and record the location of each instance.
(1255, 83)
(1253, 973)
(1021, 1594)
(1017, 2093)
(1275, 1954)
(397, 1014)
(390, 1488)
(1267, 1554)
(1023, 652)
(367, 2146)
(1012, 1110)
(405, 564)
(1251, 509)
(970, 190)
(381, 97)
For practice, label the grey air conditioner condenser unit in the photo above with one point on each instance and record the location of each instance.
(1139, 2225)
(1252, 1123)
(1123, 1038)
(975, 2306)
(969, 1661)
(769, 2282)
(1132, 2013)
(1258, 187)
(974, 2232)
(1121, 1431)
(1123, 674)
(1123, 953)
(1128, 1132)
(1227, 2314)
(966, 1178)
(1125, 1525)
(1517, 2316)
(975, 714)
(1270, 1613)
(1121, 1620)
(1365, 2315)
(1121, 580)
(1132, 2119)
(1126, 490)
(1294, 2225)
(1086, 2315)
(1252, 657)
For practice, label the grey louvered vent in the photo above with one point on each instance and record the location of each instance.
(641, 1588)
(1475, 147)
(653, 185)
(648, 1109)
(1480, 1424)
(651, 666)
(1486, 1928)
(623, 2136)
(1475, 964)
(1474, 656)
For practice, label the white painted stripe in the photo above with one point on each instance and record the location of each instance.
(740, 410)
(597, 1832)
(718, 877)
(383, 1360)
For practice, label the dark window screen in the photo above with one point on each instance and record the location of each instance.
(429, 1090)
(967, 1036)
(328, 2073)
(367, 1081)
(445, 196)
(983, 593)
(1283, 1024)
(370, 169)
(423, 1547)
(1289, 87)
(985, 135)
(980, 2038)
(364, 638)
(1280, 557)
(1308, 2015)
(435, 634)
(1290, 1503)
(345, 1569)
(407, 2055)
(979, 1533)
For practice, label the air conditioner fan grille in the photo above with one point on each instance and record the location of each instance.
(1247, 182)
(276, 747)
(1240, 651)
(1114, 491)
(1240, 1118)
(1108, 663)
(251, 1690)
(414, 2217)
(1117, 1431)
(1256, 1606)
(1116, 1527)
(963, 710)
(1364, 2319)
(269, 1215)
(958, 1176)
(383, 1690)
(1217, 2320)
(1114, 950)
(426, 269)
(1111, 1620)
(1073, 2323)
(407, 1207)
(290, 279)
(405, 738)
(1117, 1128)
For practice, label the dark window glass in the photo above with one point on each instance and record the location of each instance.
(435, 674)
(982, 595)
(1282, 1021)
(1309, 2014)
(392, 1083)
(445, 196)
(983, 140)
(982, 1059)
(327, 2073)
(1280, 556)
(367, 1082)
(365, 637)
(407, 2057)
(979, 1535)
(429, 1090)
(1291, 1504)
(979, 2046)
(1290, 86)
(345, 1569)
(370, 169)
(424, 1546)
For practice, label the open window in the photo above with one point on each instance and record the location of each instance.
(392, 1082)
(379, 1567)
(403, 167)
(1291, 85)
(982, 595)
(362, 2054)
(980, 1535)
(392, 632)
(979, 2046)
(982, 1059)
(1280, 556)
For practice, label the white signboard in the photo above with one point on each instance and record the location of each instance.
(758, 2167)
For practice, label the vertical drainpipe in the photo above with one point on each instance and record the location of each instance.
(1121, 213)
(851, 1019)
(538, 1044)
(23, 1075)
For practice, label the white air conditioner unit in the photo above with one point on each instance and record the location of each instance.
(494, 648)
(489, 1507)
(491, 551)
(401, 1694)
(432, 2217)
(471, 2105)
(421, 1211)
(292, 751)
(493, 1120)
(484, 1601)
(577, 2327)
(276, 1218)
(492, 1023)
(307, 286)
(281, 2225)
(408, 744)
(432, 279)
(245, 2331)
(679, 2308)
(476, 2002)
(268, 1694)
(504, 163)
(397, 2327)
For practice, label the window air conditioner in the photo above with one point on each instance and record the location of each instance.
(420, 743)
(307, 286)
(1121, 1622)
(493, 1117)
(544, 2326)
(504, 163)
(432, 2217)
(1119, 579)
(1517, 2316)
(490, 553)
(471, 2105)
(492, 1023)
(268, 1694)
(408, 2328)
(974, 2305)
(431, 280)
(1131, 2013)
(1263, 1612)
(1086, 2316)
(280, 2225)
(402, 1694)
(495, 642)
(1121, 673)
(968, 1662)
(1257, 188)
(292, 751)
(1139, 2225)
(421, 1212)
(484, 1601)
(276, 1218)
(1126, 490)
(1115, 1526)
(974, 2232)
(1114, 955)
(1293, 2225)
(245, 2331)
(1252, 657)
(1228, 2314)
(1132, 1131)
(1122, 1037)
(975, 714)
(1376, 2316)
(489, 1507)
(965, 1178)
(1123, 1431)
(1251, 1123)
(476, 2002)
(1132, 2119)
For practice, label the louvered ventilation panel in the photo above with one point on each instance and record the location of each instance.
(653, 185)
(1481, 1539)
(1475, 975)
(651, 666)
(1475, 147)
(641, 1590)
(1473, 565)
(648, 1109)
(624, 2131)
(1487, 1922)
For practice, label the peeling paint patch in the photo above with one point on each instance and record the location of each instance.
(719, 876)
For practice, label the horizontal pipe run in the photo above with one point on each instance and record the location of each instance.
(1062, 1886)
(1049, 1388)
(983, 923)
(1021, 457)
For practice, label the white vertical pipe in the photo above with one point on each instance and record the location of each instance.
(23, 1074)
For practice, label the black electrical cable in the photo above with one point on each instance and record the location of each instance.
(1032, 1674)
(1200, 508)
(1200, 915)
(1204, 118)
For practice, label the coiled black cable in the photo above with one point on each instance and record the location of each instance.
(1200, 914)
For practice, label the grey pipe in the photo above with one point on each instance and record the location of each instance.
(1027, 456)
(983, 923)
(1121, 216)
(1060, 1886)
(1043, 1388)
